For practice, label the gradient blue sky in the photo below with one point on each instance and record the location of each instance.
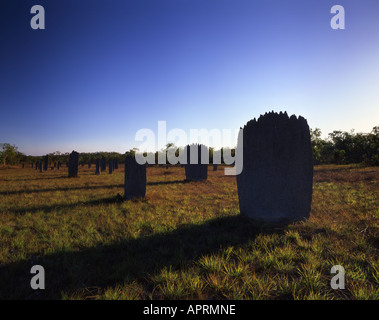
(101, 70)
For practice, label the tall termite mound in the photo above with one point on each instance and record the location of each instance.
(276, 180)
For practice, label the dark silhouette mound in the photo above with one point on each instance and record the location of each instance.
(98, 167)
(276, 180)
(73, 164)
(110, 167)
(135, 179)
(103, 164)
(45, 162)
(196, 171)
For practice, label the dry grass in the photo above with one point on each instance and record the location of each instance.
(185, 240)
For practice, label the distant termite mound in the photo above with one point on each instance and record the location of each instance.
(197, 162)
(135, 178)
(98, 167)
(73, 164)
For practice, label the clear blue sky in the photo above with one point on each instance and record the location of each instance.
(101, 70)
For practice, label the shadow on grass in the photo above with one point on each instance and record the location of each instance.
(125, 261)
(87, 187)
(65, 176)
(37, 178)
(158, 183)
(58, 207)
(62, 189)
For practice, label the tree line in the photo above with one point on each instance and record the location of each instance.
(340, 147)
(343, 147)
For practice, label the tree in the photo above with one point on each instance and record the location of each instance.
(131, 152)
(350, 147)
(316, 143)
(372, 149)
(8, 153)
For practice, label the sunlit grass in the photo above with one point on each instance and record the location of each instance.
(185, 240)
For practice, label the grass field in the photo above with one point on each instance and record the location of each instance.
(185, 240)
